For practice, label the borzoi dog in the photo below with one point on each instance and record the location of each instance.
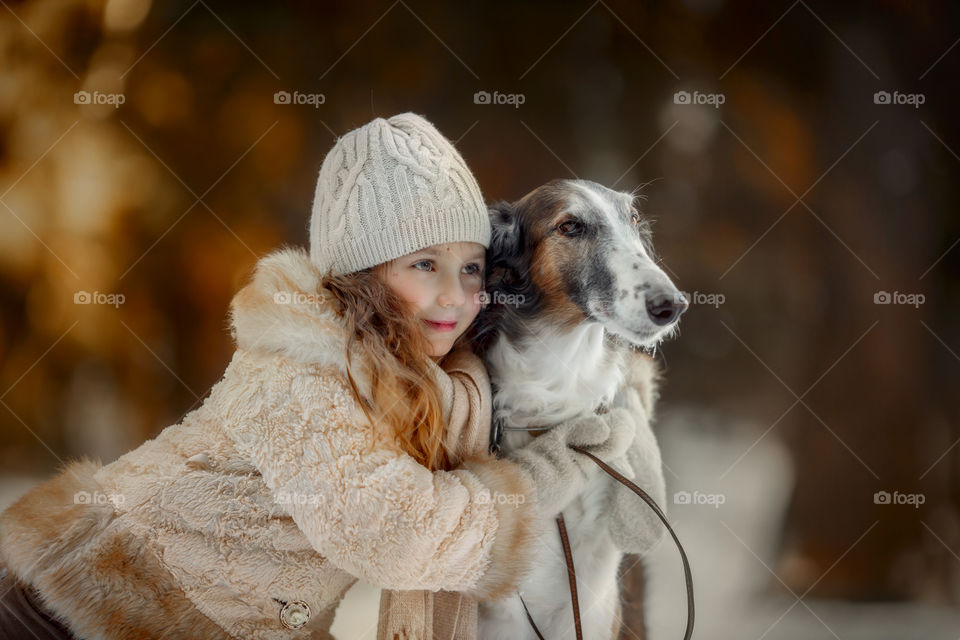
(575, 290)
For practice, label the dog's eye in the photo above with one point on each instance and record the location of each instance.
(635, 217)
(570, 228)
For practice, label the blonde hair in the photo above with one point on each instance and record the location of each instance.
(405, 399)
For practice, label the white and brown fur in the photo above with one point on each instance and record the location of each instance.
(577, 259)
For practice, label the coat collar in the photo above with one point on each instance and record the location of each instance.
(284, 310)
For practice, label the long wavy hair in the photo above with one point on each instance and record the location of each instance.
(405, 399)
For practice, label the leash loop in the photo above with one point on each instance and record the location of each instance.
(568, 555)
(687, 574)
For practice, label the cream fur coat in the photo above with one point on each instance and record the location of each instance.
(276, 491)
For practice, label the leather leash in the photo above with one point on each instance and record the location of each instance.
(688, 576)
(571, 574)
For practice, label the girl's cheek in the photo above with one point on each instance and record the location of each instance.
(475, 306)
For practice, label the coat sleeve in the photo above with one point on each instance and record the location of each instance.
(633, 526)
(375, 512)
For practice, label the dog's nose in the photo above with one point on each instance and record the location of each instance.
(664, 308)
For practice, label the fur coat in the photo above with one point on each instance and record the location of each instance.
(254, 515)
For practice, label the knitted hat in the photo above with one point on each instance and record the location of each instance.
(390, 188)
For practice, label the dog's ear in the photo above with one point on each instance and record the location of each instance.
(505, 246)
(504, 232)
(500, 274)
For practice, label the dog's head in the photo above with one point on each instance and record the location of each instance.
(574, 251)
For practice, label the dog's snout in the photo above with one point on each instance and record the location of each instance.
(665, 307)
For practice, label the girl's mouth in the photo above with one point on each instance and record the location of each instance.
(441, 326)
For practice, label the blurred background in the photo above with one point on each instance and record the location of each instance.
(800, 161)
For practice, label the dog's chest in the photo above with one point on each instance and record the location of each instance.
(545, 384)
(553, 379)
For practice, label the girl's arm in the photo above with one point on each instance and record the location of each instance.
(377, 513)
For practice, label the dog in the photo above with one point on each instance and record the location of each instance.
(574, 292)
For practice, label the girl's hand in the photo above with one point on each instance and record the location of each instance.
(560, 473)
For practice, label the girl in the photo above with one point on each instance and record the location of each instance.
(347, 439)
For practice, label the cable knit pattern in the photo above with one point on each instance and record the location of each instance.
(275, 490)
(389, 188)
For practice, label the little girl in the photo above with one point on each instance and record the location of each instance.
(347, 439)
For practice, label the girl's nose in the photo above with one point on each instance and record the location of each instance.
(451, 292)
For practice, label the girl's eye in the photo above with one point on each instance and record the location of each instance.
(429, 264)
(473, 269)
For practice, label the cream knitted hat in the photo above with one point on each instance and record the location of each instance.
(390, 188)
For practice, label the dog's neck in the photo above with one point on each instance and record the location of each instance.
(547, 376)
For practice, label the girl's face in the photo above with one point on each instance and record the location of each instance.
(441, 284)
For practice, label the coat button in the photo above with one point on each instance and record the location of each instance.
(295, 614)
